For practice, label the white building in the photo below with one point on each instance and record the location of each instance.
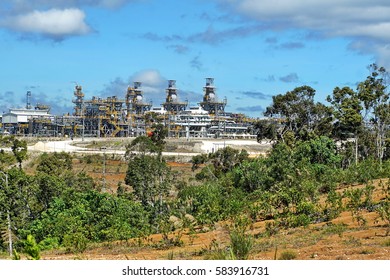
(158, 110)
(19, 120)
(18, 116)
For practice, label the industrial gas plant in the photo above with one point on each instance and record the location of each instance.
(131, 116)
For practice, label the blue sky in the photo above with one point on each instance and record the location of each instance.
(254, 49)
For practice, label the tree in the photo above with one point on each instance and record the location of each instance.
(6, 159)
(49, 187)
(19, 148)
(347, 111)
(219, 162)
(299, 113)
(198, 160)
(141, 145)
(31, 247)
(251, 175)
(18, 205)
(78, 217)
(321, 150)
(158, 134)
(265, 129)
(374, 96)
(226, 159)
(150, 178)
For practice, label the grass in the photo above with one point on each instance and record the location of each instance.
(386, 243)
(367, 252)
(338, 229)
(352, 242)
(264, 246)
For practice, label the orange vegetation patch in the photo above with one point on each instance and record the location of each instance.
(179, 164)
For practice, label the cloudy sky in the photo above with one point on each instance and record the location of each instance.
(253, 48)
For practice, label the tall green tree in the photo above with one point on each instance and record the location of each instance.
(299, 113)
(150, 177)
(347, 110)
(375, 98)
(158, 135)
(18, 204)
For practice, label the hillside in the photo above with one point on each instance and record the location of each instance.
(356, 233)
(339, 239)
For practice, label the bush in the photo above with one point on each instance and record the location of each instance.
(241, 244)
(333, 206)
(363, 172)
(49, 243)
(294, 220)
(383, 209)
(99, 216)
(31, 248)
(288, 255)
(75, 243)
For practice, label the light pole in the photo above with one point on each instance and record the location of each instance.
(10, 247)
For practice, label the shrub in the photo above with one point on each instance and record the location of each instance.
(383, 209)
(76, 242)
(215, 252)
(363, 172)
(294, 220)
(333, 205)
(288, 255)
(31, 248)
(49, 243)
(272, 228)
(241, 243)
(358, 200)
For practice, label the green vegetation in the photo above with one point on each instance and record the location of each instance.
(288, 255)
(315, 149)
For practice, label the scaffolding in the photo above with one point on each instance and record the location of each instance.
(136, 108)
(132, 116)
(173, 106)
(172, 103)
(210, 101)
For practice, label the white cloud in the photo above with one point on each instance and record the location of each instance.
(362, 21)
(28, 5)
(54, 19)
(53, 23)
(153, 85)
(332, 16)
(152, 81)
